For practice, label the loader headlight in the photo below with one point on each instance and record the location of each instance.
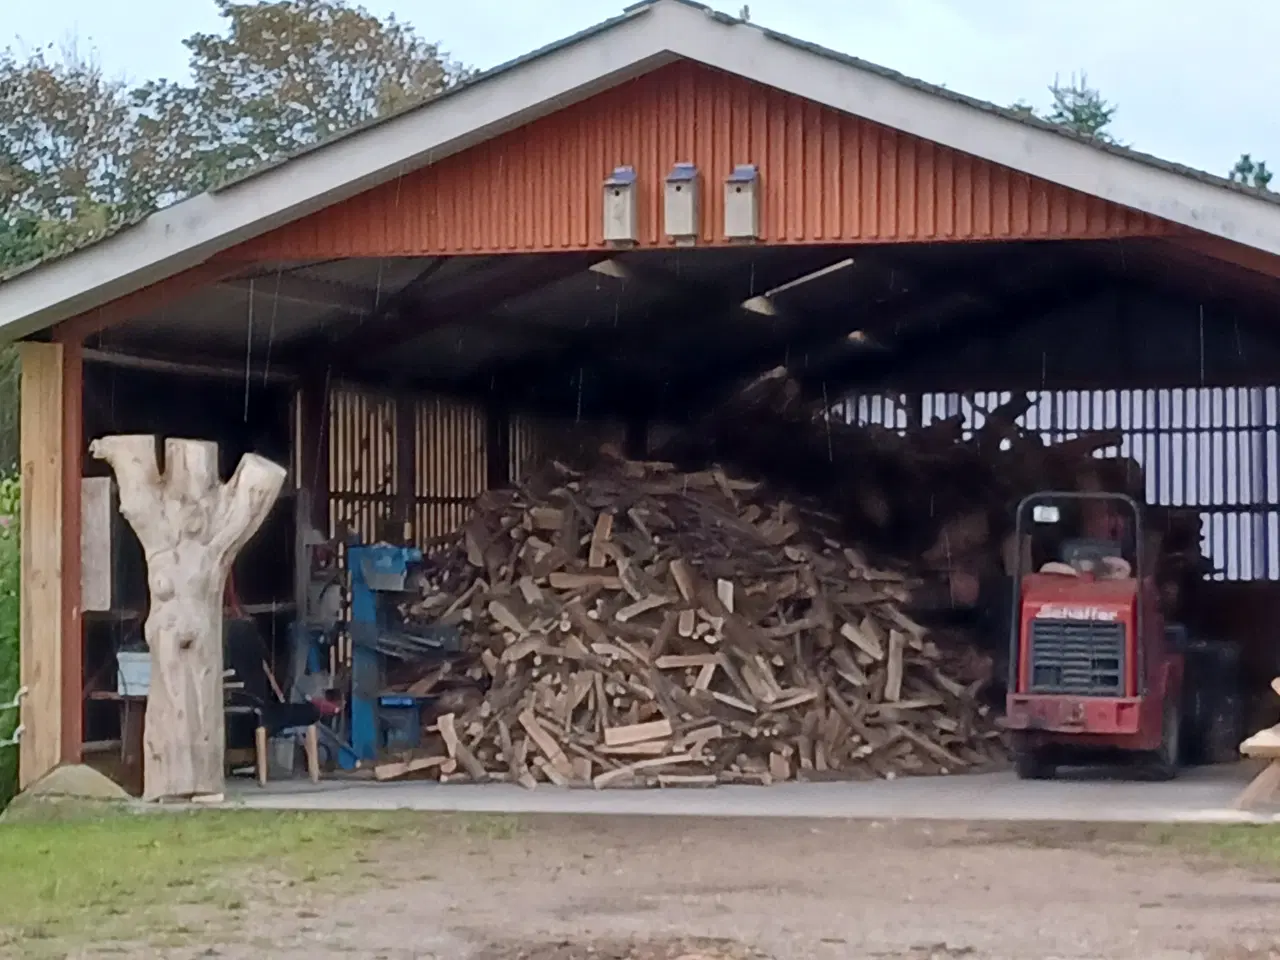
(1045, 513)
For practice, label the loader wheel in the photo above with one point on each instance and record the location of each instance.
(1165, 761)
(1030, 763)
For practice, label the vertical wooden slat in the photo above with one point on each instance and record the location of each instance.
(312, 455)
(40, 644)
(73, 679)
(405, 442)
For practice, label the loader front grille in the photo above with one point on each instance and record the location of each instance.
(1077, 656)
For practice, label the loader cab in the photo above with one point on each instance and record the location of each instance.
(1090, 667)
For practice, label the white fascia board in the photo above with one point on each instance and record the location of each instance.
(749, 52)
(190, 232)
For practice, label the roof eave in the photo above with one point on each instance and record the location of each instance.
(1197, 201)
(190, 232)
(645, 37)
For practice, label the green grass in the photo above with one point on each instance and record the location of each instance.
(1239, 844)
(9, 580)
(133, 877)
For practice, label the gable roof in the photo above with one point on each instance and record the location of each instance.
(645, 36)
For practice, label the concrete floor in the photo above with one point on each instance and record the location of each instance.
(1202, 795)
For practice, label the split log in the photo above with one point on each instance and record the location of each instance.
(191, 527)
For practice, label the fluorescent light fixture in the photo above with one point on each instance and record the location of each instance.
(611, 268)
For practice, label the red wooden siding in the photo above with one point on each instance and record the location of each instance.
(828, 178)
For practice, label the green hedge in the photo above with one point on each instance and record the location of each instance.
(9, 581)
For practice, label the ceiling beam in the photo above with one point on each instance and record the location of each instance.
(308, 291)
(694, 370)
(921, 348)
(410, 320)
(340, 327)
(665, 329)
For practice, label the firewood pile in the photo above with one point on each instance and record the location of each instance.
(638, 624)
(672, 623)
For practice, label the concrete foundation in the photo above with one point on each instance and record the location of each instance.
(1201, 795)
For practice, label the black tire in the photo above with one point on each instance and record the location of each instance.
(1164, 762)
(1030, 763)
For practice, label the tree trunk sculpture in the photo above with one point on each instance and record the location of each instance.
(191, 526)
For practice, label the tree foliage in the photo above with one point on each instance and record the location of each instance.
(285, 75)
(1250, 172)
(81, 152)
(1081, 108)
(1078, 107)
(70, 158)
(9, 582)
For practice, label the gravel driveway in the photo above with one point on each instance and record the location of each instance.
(659, 889)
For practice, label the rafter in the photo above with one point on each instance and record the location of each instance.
(408, 321)
(308, 291)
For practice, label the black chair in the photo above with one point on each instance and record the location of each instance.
(249, 694)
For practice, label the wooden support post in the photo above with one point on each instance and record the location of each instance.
(73, 678)
(636, 440)
(497, 446)
(191, 526)
(406, 468)
(312, 747)
(312, 455)
(42, 621)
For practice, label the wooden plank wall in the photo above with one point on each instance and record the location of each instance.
(447, 453)
(449, 464)
(40, 649)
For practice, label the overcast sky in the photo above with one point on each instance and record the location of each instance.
(1195, 81)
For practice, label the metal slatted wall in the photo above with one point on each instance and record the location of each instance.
(1213, 449)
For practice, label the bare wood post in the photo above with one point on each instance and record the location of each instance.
(41, 623)
(191, 526)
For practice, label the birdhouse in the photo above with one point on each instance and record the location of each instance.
(680, 203)
(620, 207)
(742, 203)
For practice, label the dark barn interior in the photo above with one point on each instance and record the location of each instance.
(447, 376)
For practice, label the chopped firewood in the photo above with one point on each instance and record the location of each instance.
(636, 733)
(530, 591)
(893, 674)
(866, 642)
(683, 579)
(687, 780)
(682, 661)
(545, 518)
(448, 734)
(631, 769)
(552, 774)
(505, 618)
(705, 676)
(546, 743)
(402, 768)
(633, 610)
(646, 748)
(604, 529)
(580, 581)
